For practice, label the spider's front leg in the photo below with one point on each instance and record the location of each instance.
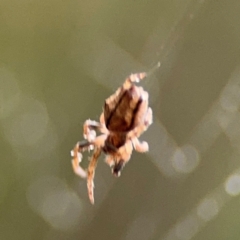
(137, 131)
(90, 127)
(115, 164)
(91, 173)
(122, 156)
(140, 146)
(76, 153)
(98, 145)
(143, 126)
(136, 77)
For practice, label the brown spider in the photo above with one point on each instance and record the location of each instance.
(125, 117)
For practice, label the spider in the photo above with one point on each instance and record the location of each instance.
(125, 117)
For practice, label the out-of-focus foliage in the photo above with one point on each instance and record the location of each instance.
(59, 60)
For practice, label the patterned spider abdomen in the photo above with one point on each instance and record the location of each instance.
(121, 108)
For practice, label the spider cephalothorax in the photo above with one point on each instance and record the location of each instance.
(125, 117)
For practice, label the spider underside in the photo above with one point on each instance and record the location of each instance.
(125, 117)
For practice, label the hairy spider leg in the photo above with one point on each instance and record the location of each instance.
(137, 131)
(142, 123)
(117, 161)
(143, 108)
(143, 126)
(125, 153)
(76, 153)
(136, 77)
(91, 173)
(109, 159)
(140, 146)
(120, 158)
(90, 127)
(80, 147)
(116, 170)
(102, 119)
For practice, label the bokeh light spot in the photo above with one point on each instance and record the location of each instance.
(232, 185)
(185, 159)
(187, 228)
(141, 228)
(29, 126)
(61, 209)
(207, 209)
(230, 99)
(55, 203)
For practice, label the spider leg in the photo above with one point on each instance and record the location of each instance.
(115, 165)
(102, 119)
(76, 153)
(90, 127)
(77, 158)
(109, 160)
(142, 127)
(148, 118)
(137, 131)
(140, 146)
(136, 77)
(114, 98)
(91, 173)
(122, 157)
(117, 168)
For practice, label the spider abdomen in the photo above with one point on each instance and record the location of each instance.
(120, 116)
(113, 142)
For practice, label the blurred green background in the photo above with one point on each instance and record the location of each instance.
(59, 61)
